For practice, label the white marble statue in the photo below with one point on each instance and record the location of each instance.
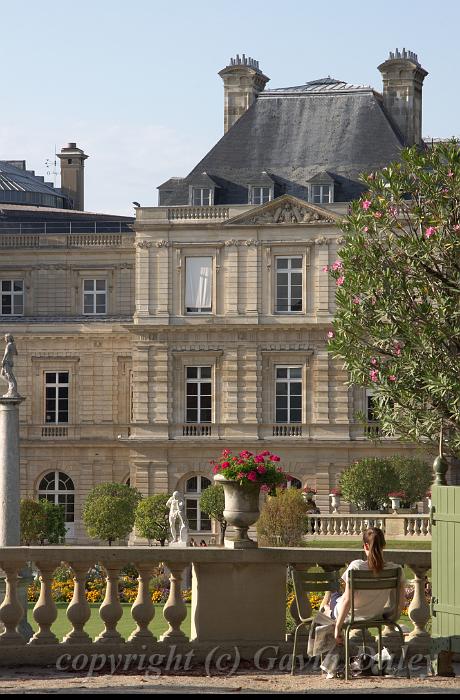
(7, 368)
(177, 516)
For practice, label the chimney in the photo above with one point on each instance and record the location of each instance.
(243, 81)
(72, 174)
(403, 78)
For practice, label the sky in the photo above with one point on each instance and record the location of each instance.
(136, 83)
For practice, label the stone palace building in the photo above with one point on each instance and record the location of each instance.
(148, 346)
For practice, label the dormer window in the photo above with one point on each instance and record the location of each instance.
(321, 194)
(202, 196)
(260, 195)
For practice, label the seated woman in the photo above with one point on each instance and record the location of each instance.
(368, 604)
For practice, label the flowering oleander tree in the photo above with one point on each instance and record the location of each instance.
(397, 325)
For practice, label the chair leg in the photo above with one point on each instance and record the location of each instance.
(295, 649)
(363, 634)
(347, 653)
(379, 650)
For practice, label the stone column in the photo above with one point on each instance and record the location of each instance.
(10, 531)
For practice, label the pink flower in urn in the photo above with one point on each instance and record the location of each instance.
(265, 453)
(340, 281)
(430, 231)
(226, 452)
(225, 465)
(265, 488)
(275, 458)
(366, 204)
(259, 459)
(241, 475)
(252, 476)
(261, 469)
(216, 469)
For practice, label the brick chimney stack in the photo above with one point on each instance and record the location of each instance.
(403, 78)
(72, 174)
(243, 81)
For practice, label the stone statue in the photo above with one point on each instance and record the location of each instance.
(7, 368)
(177, 515)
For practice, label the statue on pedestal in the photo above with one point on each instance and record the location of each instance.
(177, 516)
(7, 368)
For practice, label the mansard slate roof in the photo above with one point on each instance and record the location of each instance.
(21, 186)
(295, 134)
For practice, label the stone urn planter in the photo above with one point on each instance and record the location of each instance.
(335, 502)
(241, 510)
(395, 503)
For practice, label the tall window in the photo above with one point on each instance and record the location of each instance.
(289, 283)
(199, 395)
(201, 196)
(198, 521)
(321, 194)
(12, 297)
(56, 397)
(59, 488)
(198, 285)
(94, 297)
(260, 195)
(288, 408)
(370, 406)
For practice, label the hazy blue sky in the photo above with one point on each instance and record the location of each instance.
(136, 85)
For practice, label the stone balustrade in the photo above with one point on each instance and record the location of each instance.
(394, 526)
(198, 213)
(238, 600)
(66, 241)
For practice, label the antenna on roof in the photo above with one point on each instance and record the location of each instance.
(51, 167)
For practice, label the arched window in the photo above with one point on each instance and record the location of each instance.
(59, 488)
(293, 483)
(198, 521)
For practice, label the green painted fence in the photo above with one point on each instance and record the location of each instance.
(445, 604)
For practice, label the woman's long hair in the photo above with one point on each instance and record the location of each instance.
(375, 538)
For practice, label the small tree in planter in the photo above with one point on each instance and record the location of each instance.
(212, 502)
(109, 511)
(152, 518)
(283, 520)
(415, 478)
(368, 482)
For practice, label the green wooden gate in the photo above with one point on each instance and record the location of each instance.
(445, 603)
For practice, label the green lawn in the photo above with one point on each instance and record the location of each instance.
(95, 625)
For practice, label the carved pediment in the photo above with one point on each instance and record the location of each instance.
(285, 210)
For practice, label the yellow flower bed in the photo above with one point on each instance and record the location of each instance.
(62, 591)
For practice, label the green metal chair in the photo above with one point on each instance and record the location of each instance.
(306, 582)
(388, 579)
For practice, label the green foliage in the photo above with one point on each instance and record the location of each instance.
(415, 477)
(368, 482)
(283, 519)
(109, 511)
(152, 521)
(397, 325)
(33, 521)
(55, 528)
(42, 522)
(212, 502)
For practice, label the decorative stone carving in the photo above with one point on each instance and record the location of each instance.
(143, 244)
(232, 242)
(7, 373)
(322, 240)
(290, 211)
(163, 244)
(252, 241)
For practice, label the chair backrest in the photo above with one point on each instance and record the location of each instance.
(306, 582)
(388, 579)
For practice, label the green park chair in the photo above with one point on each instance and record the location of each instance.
(305, 582)
(388, 579)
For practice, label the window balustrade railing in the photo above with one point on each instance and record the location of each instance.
(199, 213)
(238, 599)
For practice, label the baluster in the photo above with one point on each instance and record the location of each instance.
(78, 612)
(143, 610)
(174, 611)
(45, 612)
(111, 611)
(11, 610)
(419, 613)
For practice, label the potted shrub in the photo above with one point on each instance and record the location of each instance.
(243, 477)
(335, 499)
(308, 492)
(395, 497)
